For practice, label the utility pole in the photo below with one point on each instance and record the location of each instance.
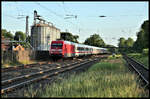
(27, 31)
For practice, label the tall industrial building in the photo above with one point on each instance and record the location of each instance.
(42, 34)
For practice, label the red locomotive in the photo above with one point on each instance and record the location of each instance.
(62, 48)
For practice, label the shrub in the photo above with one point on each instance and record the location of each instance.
(145, 51)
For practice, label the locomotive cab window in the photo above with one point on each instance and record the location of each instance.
(56, 45)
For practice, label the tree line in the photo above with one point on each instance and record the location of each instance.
(124, 45)
(142, 41)
(93, 40)
(19, 36)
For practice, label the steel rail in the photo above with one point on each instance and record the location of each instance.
(37, 70)
(32, 74)
(22, 66)
(138, 63)
(3, 90)
(9, 88)
(18, 67)
(139, 68)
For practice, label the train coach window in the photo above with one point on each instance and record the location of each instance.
(78, 48)
(87, 49)
(82, 48)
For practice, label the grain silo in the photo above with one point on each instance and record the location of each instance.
(42, 34)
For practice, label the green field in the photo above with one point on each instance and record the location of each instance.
(108, 78)
(140, 58)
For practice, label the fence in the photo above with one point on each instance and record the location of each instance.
(17, 56)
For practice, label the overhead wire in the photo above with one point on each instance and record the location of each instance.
(58, 15)
(10, 16)
(64, 7)
(73, 16)
(20, 11)
(49, 10)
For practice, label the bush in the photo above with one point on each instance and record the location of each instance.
(145, 51)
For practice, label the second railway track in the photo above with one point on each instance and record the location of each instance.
(11, 72)
(10, 84)
(139, 69)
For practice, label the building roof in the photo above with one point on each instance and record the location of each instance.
(45, 25)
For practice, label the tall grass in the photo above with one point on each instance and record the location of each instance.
(109, 78)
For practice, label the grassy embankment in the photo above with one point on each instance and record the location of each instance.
(108, 78)
(142, 58)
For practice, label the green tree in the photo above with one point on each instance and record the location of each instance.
(142, 37)
(4, 31)
(125, 45)
(69, 37)
(145, 27)
(112, 48)
(7, 34)
(20, 36)
(121, 44)
(129, 42)
(75, 38)
(95, 40)
(139, 43)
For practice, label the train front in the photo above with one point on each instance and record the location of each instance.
(56, 49)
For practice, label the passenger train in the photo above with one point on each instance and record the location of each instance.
(64, 49)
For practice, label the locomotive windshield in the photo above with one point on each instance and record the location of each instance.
(56, 45)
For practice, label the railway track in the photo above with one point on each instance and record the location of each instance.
(24, 70)
(20, 81)
(8, 69)
(19, 67)
(12, 68)
(15, 71)
(138, 68)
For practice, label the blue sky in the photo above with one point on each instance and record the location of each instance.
(123, 19)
